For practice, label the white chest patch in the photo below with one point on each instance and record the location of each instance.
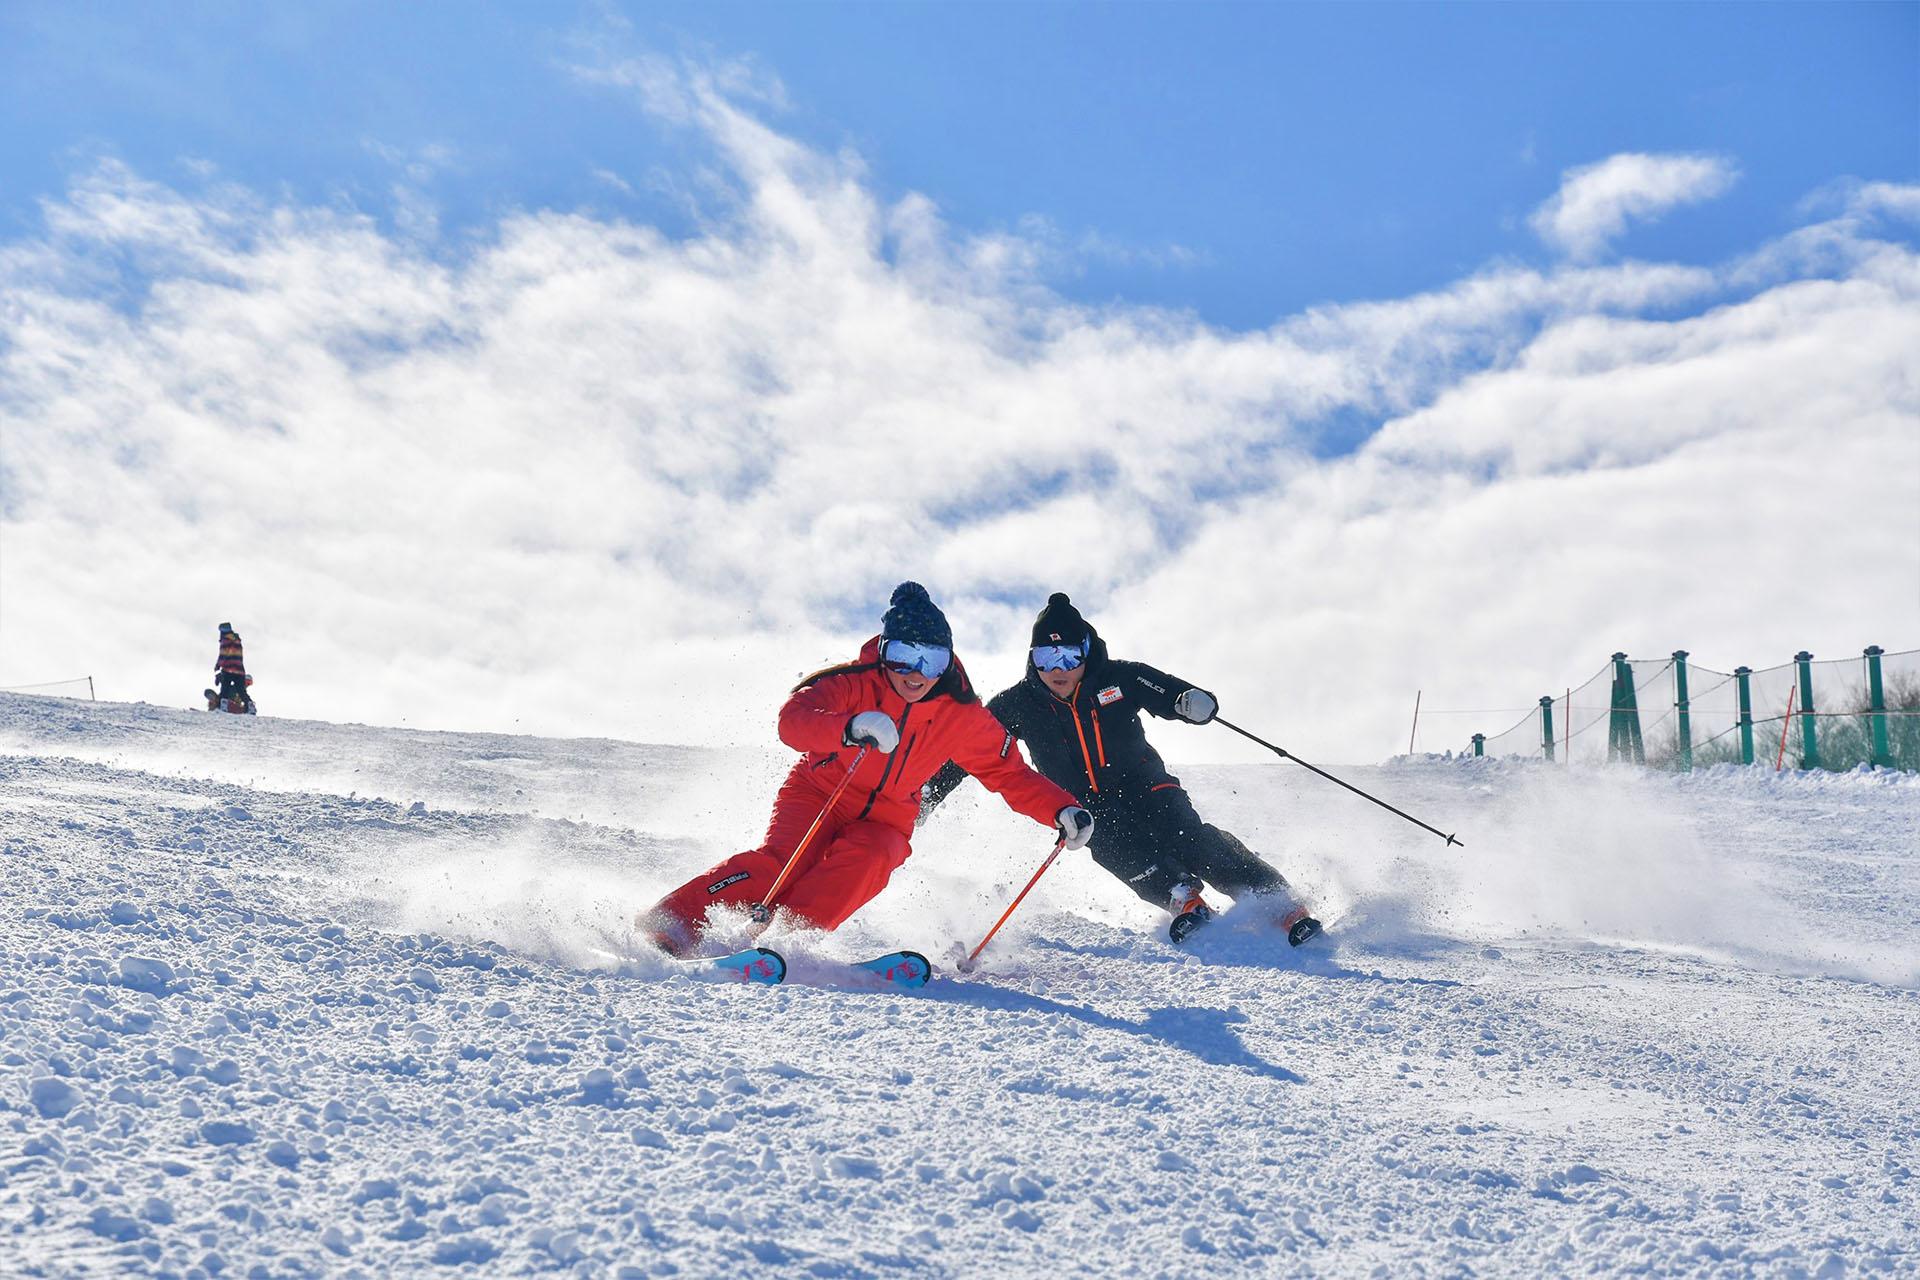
(1109, 695)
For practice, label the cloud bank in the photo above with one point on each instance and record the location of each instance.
(585, 478)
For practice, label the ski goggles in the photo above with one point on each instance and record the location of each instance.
(1059, 657)
(905, 657)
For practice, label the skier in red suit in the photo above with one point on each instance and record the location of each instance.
(907, 700)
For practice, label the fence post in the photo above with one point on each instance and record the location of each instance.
(1741, 677)
(1479, 744)
(1877, 705)
(1685, 762)
(1546, 724)
(1623, 726)
(1809, 726)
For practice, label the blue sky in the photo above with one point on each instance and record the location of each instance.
(610, 365)
(1243, 161)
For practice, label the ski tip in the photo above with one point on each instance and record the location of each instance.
(914, 960)
(901, 968)
(769, 968)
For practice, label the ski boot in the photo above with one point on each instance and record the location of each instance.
(1300, 926)
(1190, 911)
(1279, 904)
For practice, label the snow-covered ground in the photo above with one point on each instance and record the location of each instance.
(283, 998)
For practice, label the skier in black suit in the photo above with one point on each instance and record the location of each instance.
(1078, 712)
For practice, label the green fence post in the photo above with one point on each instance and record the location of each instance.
(1616, 719)
(1809, 736)
(1479, 744)
(1546, 724)
(1877, 704)
(1623, 726)
(1741, 677)
(1685, 760)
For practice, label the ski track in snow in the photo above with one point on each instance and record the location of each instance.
(283, 998)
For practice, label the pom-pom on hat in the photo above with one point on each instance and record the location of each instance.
(1060, 622)
(914, 617)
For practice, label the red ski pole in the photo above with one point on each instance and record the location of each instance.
(966, 966)
(763, 909)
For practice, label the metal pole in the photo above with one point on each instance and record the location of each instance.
(1616, 718)
(966, 965)
(1285, 754)
(1685, 761)
(1546, 725)
(763, 909)
(1809, 727)
(1877, 704)
(1786, 726)
(1742, 677)
(1416, 721)
(1625, 741)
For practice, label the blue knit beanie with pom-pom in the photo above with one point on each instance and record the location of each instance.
(914, 617)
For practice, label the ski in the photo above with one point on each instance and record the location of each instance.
(901, 968)
(759, 965)
(766, 967)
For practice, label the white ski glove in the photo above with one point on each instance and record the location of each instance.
(1195, 706)
(1075, 825)
(875, 729)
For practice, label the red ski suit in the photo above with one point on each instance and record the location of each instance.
(865, 838)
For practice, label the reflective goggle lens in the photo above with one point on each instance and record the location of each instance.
(1059, 657)
(930, 660)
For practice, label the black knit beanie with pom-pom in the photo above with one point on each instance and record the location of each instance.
(1060, 622)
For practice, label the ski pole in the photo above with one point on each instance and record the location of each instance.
(763, 909)
(966, 966)
(1284, 754)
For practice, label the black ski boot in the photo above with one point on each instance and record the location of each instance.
(1301, 927)
(1190, 911)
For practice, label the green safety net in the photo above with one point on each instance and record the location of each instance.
(1592, 723)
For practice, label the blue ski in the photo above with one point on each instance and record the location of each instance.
(755, 964)
(902, 968)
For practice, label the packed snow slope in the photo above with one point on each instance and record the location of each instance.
(283, 998)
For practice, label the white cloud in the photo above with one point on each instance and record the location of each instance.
(585, 478)
(1596, 202)
(1895, 200)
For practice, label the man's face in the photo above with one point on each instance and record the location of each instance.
(1063, 683)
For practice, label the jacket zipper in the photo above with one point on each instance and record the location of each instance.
(1073, 709)
(892, 760)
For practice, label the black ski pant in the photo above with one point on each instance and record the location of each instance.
(233, 685)
(1153, 840)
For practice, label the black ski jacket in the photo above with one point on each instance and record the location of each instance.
(1093, 746)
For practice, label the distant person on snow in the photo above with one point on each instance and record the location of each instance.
(907, 698)
(1148, 833)
(230, 669)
